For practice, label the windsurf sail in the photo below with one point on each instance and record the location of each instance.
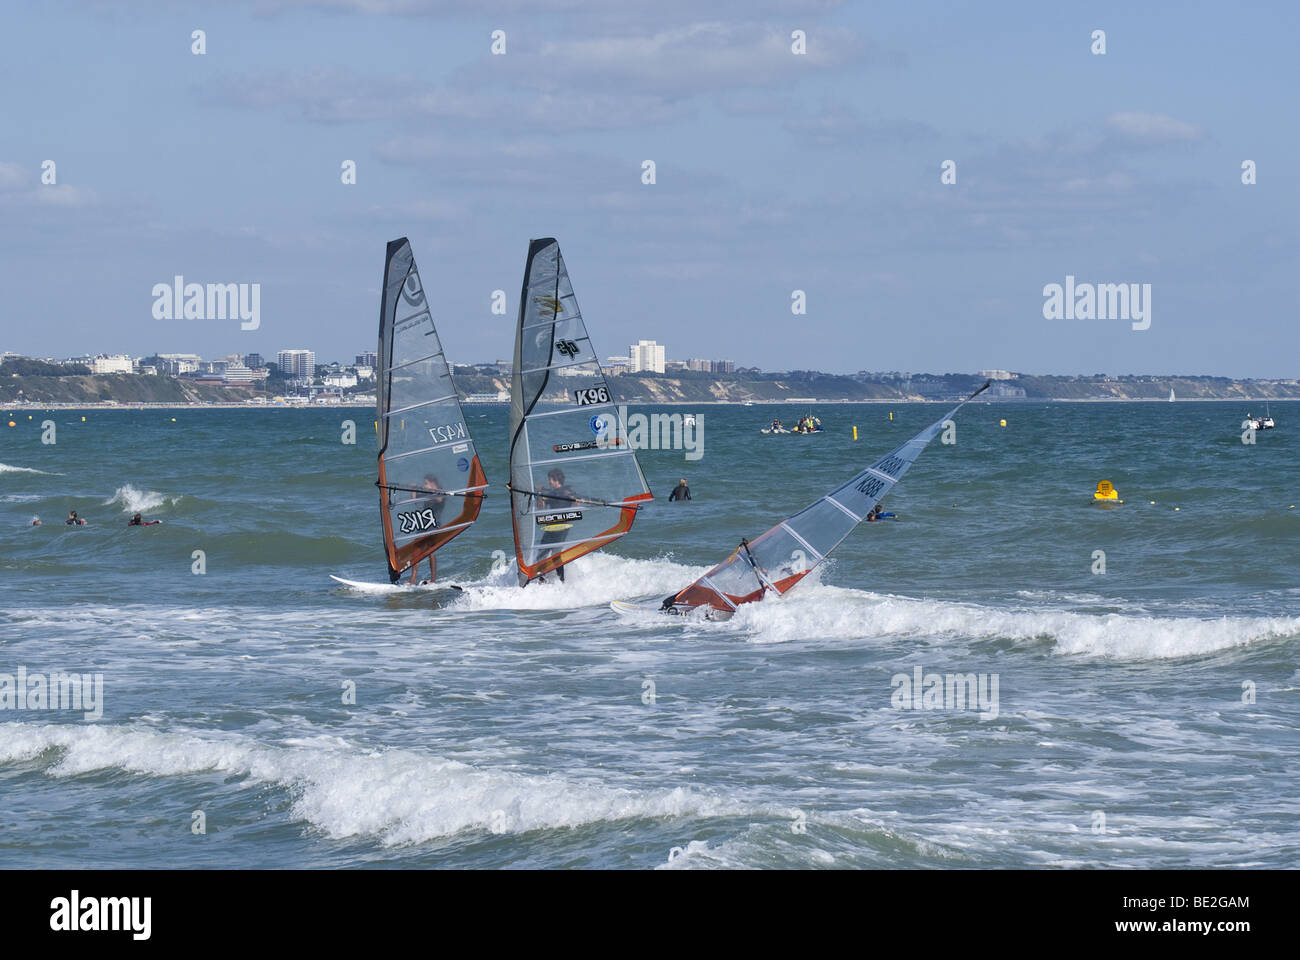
(778, 559)
(575, 483)
(430, 480)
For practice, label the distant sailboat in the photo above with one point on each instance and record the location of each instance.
(575, 483)
(1265, 422)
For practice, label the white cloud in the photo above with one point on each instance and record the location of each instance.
(62, 195)
(1153, 129)
(689, 60)
(14, 176)
(337, 96)
(841, 123)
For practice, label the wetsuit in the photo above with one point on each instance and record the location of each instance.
(680, 492)
(560, 498)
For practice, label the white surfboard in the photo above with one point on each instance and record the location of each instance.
(623, 608)
(388, 588)
(632, 609)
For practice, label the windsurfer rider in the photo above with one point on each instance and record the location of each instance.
(557, 497)
(435, 503)
(680, 492)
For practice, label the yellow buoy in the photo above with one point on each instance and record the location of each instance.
(1002, 423)
(891, 414)
(855, 432)
(173, 419)
(83, 419)
(1106, 493)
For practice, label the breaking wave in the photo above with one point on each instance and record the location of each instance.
(397, 796)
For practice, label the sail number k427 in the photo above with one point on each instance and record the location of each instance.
(448, 432)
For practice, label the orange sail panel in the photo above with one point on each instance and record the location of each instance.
(431, 482)
(575, 483)
(782, 556)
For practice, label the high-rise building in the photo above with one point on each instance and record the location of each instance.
(297, 363)
(722, 366)
(254, 361)
(647, 356)
(367, 360)
(700, 366)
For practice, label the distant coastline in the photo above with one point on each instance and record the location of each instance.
(795, 388)
(136, 407)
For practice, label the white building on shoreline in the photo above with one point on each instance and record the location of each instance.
(118, 363)
(646, 356)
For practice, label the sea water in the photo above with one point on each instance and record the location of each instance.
(1140, 660)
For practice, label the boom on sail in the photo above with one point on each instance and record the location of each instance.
(427, 460)
(778, 559)
(575, 483)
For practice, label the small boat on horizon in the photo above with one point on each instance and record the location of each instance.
(1265, 422)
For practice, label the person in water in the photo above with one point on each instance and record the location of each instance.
(776, 425)
(558, 496)
(680, 492)
(434, 500)
(74, 520)
(877, 513)
(138, 521)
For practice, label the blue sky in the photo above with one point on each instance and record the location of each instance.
(775, 172)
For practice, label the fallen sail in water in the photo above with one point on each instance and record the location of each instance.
(575, 483)
(778, 559)
(427, 460)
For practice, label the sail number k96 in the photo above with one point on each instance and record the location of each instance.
(592, 395)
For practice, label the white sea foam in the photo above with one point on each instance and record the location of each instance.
(8, 468)
(136, 501)
(396, 796)
(591, 581)
(838, 613)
